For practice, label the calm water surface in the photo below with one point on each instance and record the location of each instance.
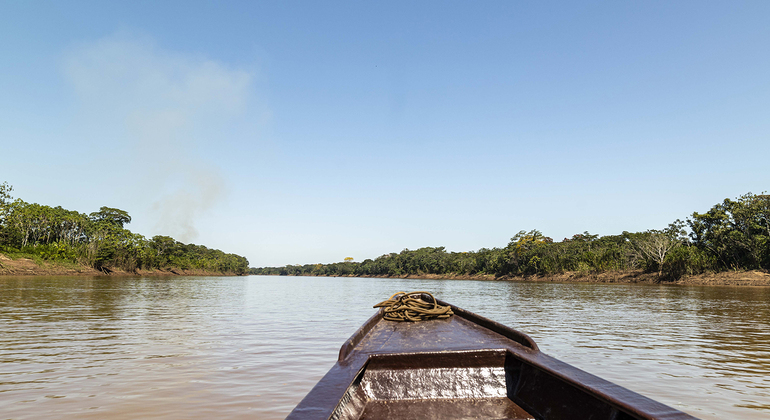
(193, 347)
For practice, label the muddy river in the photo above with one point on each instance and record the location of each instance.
(252, 347)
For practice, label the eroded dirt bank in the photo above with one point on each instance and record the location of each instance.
(731, 278)
(28, 267)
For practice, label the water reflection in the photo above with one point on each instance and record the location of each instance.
(252, 347)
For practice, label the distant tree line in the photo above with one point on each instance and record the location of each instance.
(99, 240)
(733, 235)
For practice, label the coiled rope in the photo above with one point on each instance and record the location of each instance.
(404, 306)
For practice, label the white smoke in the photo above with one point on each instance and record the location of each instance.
(178, 210)
(154, 104)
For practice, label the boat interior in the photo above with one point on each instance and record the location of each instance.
(463, 367)
(483, 384)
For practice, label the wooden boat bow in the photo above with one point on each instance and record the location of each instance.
(463, 367)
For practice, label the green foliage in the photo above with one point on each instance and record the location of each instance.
(653, 246)
(99, 240)
(5, 193)
(736, 233)
(5, 199)
(732, 235)
(687, 260)
(111, 216)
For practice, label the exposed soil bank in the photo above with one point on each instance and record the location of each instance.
(28, 267)
(729, 278)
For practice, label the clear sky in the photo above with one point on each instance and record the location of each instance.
(303, 132)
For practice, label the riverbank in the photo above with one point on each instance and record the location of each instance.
(30, 267)
(728, 278)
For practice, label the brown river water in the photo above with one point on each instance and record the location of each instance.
(252, 347)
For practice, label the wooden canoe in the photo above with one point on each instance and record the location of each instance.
(464, 367)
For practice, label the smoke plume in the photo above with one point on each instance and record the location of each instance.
(163, 110)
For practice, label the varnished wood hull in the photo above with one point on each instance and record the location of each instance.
(464, 367)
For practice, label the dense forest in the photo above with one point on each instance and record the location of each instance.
(732, 235)
(99, 240)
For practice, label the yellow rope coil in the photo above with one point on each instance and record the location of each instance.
(404, 306)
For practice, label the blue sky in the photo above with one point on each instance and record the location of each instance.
(304, 132)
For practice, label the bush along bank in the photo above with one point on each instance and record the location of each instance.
(732, 236)
(100, 241)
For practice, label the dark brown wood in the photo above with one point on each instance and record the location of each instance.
(466, 366)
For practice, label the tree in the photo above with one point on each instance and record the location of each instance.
(5, 200)
(162, 245)
(517, 256)
(654, 245)
(5, 193)
(112, 216)
(735, 232)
